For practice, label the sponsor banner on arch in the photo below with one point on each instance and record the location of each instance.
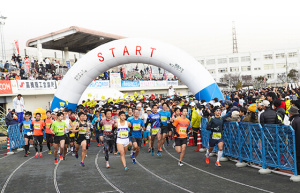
(99, 84)
(36, 84)
(5, 87)
(115, 80)
(172, 83)
(129, 83)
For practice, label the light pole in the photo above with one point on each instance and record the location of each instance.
(2, 23)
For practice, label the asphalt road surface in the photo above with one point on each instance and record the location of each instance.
(150, 174)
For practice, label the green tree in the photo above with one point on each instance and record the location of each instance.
(260, 79)
(292, 75)
(239, 85)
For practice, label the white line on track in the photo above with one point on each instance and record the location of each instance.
(7, 181)
(4, 156)
(54, 175)
(103, 176)
(233, 181)
(163, 178)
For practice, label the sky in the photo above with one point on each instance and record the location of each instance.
(199, 27)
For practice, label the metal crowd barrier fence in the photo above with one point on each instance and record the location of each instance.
(269, 146)
(16, 138)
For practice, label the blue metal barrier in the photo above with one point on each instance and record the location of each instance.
(16, 138)
(271, 145)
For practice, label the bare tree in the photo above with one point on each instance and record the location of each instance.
(281, 78)
(232, 79)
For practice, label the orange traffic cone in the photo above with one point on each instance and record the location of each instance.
(191, 140)
(199, 142)
(8, 152)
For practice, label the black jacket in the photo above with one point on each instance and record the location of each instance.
(269, 117)
(295, 123)
(281, 112)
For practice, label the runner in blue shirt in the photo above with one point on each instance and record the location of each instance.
(154, 119)
(137, 125)
(25, 126)
(165, 119)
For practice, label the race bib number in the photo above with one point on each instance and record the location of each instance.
(182, 130)
(107, 128)
(48, 125)
(155, 131)
(136, 127)
(216, 135)
(163, 119)
(27, 126)
(36, 126)
(123, 134)
(60, 129)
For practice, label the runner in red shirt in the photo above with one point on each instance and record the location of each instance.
(49, 135)
(38, 127)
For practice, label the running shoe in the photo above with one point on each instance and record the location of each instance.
(144, 142)
(64, 158)
(159, 153)
(207, 160)
(82, 164)
(50, 152)
(73, 154)
(173, 145)
(152, 152)
(167, 144)
(76, 155)
(60, 157)
(160, 149)
(133, 161)
(98, 145)
(149, 150)
(180, 164)
(28, 152)
(116, 153)
(36, 154)
(41, 155)
(126, 169)
(218, 164)
(107, 165)
(132, 155)
(51, 144)
(171, 138)
(26, 155)
(55, 162)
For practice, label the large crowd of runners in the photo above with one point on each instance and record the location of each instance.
(117, 127)
(130, 125)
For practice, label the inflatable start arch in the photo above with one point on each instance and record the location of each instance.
(135, 50)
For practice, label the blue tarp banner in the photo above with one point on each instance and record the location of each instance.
(134, 83)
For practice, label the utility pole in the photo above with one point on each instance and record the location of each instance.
(2, 23)
(234, 40)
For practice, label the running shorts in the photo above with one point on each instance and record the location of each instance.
(146, 134)
(137, 140)
(164, 129)
(67, 140)
(28, 137)
(57, 139)
(72, 139)
(180, 141)
(80, 139)
(213, 142)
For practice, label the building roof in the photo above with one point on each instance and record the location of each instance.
(77, 39)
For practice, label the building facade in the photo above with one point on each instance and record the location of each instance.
(273, 65)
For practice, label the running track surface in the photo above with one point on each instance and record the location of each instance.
(150, 174)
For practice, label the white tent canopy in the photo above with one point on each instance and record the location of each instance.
(97, 93)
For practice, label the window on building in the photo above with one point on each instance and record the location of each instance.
(268, 56)
(222, 70)
(211, 61)
(201, 62)
(234, 69)
(233, 60)
(268, 66)
(292, 65)
(212, 71)
(280, 55)
(246, 68)
(270, 76)
(221, 79)
(280, 65)
(255, 59)
(293, 54)
(222, 60)
(245, 58)
(257, 68)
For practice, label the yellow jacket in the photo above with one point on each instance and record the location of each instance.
(196, 118)
(287, 105)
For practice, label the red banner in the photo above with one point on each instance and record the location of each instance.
(27, 65)
(165, 74)
(5, 87)
(150, 74)
(17, 46)
(123, 71)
